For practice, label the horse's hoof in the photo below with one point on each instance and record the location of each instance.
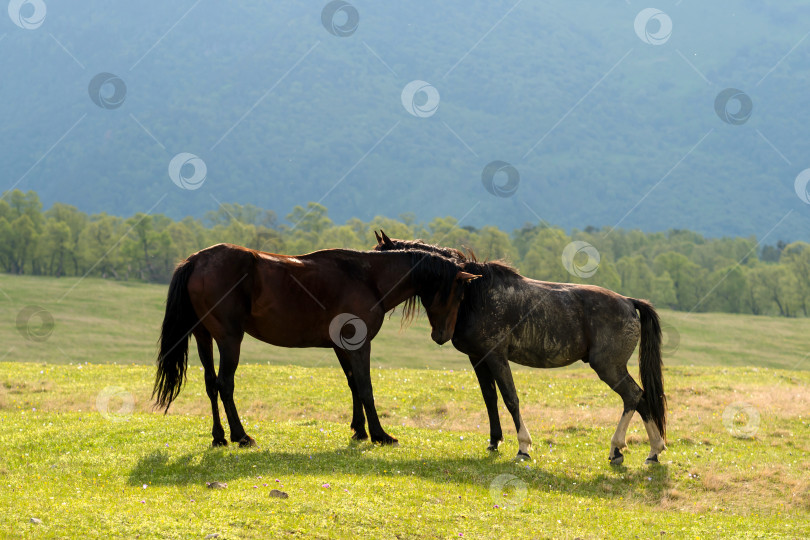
(492, 448)
(522, 456)
(360, 436)
(493, 445)
(652, 460)
(219, 442)
(385, 440)
(246, 441)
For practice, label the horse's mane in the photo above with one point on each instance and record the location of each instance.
(468, 261)
(491, 272)
(431, 273)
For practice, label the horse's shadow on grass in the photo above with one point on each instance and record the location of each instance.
(643, 483)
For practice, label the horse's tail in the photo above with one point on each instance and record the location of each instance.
(178, 323)
(651, 365)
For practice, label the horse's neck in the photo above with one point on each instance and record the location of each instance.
(394, 279)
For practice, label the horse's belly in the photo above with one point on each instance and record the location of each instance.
(287, 333)
(546, 350)
(541, 359)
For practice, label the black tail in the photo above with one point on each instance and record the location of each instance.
(650, 364)
(178, 323)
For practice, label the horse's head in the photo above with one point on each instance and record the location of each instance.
(440, 297)
(443, 312)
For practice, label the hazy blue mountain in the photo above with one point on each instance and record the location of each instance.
(602, 127)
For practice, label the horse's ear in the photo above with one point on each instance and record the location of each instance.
(379, 240)
(466, 276)
(387, 241)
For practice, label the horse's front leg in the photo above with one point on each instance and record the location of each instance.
(490, 393)
(358, 424)
(499, 367)
(359, 361)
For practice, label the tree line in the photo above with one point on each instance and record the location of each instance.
(678, 269)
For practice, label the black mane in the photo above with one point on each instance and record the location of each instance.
(491, 272)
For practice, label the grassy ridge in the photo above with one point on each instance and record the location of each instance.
(103, 321)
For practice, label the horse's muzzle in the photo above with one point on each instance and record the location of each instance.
(440, 336)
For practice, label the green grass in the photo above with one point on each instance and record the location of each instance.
(101, 321)
(80, 440)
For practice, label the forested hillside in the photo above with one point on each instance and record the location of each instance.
(602, 123)
(679, 269)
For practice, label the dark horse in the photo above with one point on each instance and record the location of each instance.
(505, 316)
(333, 298)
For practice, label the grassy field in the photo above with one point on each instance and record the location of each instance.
(101, 321)
(84, 453)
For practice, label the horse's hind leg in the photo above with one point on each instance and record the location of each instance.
(358, 424)
(620, 381)
(205, 348)
(490, 393)
(229, 347)
(657, 444)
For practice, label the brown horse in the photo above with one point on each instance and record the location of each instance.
(333, 298)
(505, 316)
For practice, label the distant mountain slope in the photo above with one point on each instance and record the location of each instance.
(601, 127)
